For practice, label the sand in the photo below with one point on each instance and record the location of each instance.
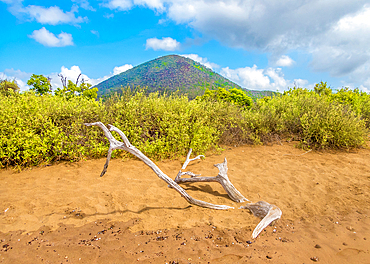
(67, 213)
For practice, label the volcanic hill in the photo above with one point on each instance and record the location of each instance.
(169, 73)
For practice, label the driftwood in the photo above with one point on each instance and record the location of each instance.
(126, 145)
(221, 178)
(268, 213)
(260, 209)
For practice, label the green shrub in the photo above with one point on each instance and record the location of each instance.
(38, 129)
(359, 102)
(234, 96)
(167, 126)
(8, 87)
(312, 119)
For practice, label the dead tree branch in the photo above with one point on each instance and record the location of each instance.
(261, 209)
(221, 178)
(78, 78)
(126, 145)
(63, 80)
(268, 213)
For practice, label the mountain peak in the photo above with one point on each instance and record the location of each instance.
(168, 73)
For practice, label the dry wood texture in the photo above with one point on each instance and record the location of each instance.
(261, 209)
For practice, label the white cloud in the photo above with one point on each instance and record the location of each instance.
(248, 77)
(71, 74)
(253, 78)
(345, 49)
(48, 39)
(301, 83)
(335, 33)
(284, 61)
(120, 69)
(157, 5)
(46, 15)
(84, 4)
(18, 74)
(201, 60)
(52, 15)
(168, 44)
(119, 4)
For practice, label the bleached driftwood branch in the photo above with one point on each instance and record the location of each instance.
(221, 178)
(268, 213)
(261, 209)
(126, 145)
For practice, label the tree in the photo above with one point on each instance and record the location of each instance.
(8, 87)
(41, 84)
(71, 89)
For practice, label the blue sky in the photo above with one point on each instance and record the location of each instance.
(259, 44)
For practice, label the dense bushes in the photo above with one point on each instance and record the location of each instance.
(38, 129)
(233, 95)
(316, 121)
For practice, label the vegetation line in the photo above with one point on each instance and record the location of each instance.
(39, 127)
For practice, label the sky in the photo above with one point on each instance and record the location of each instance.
(259, 44)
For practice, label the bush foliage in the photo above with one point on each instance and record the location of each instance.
(38, 129)
(8, 87)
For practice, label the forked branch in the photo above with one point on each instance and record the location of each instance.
(261, 209)
(221, 178)
(126, 145)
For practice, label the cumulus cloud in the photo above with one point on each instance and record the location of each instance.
(168, 44)
(73, 73)
(46, 15)
(157, 5)
(201, 60)
(335, 33)
(120, 69)
(52, 15)
(253, 78)
(284, 61)
(248, 77)
(119, 4)
(345, 49)
(48, 39)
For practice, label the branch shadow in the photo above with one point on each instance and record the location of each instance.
(81, 215)
(203, 188)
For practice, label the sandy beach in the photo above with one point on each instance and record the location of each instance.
(66, 213)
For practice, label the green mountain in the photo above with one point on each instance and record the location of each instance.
(169, 73)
